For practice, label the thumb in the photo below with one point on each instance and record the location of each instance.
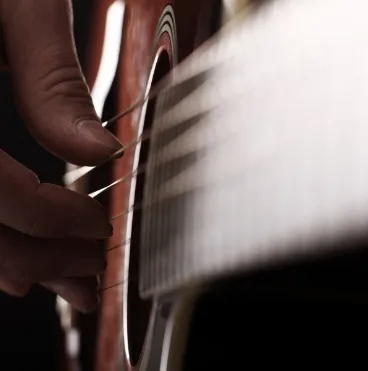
(53, 95)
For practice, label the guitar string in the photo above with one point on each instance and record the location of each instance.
(125, 243)
(120, 283)
(82, 171)
(130, 278)
(126, 178)
(153, 93)
(137, 206)
(85, 170)
(146, 135)
(160, 87)
(133, 208)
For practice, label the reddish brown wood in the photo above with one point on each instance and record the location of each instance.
(141, 18)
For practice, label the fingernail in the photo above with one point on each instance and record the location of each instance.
(95, 133)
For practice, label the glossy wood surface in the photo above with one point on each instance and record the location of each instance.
(193, 19)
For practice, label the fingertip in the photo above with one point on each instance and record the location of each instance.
(94, 225)
(100, 144)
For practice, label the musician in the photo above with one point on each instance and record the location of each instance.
(48, 235)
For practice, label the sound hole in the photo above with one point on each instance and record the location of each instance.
(138, 310)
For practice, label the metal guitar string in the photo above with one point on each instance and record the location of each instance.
(117, 284)
(123, 179)
(78, 173)
(165, 85)
(195, 69)
(146, 135)
(128, 177)
(126, 242)
(211, 55)
(83, 171)
(130, 278)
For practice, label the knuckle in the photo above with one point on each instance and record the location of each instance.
(61, 77)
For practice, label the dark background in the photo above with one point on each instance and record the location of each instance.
(29, 327)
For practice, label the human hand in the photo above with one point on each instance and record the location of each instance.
(47, 233)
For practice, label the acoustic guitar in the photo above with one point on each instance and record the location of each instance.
(241, 197)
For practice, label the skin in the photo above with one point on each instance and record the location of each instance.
(48, 234)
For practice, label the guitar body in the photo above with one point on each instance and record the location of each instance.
(156, 35)
(244, 237)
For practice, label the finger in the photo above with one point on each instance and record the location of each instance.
(19, 289)
(81, 293)
(45, 210)
(32, 260)
(53, 95)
